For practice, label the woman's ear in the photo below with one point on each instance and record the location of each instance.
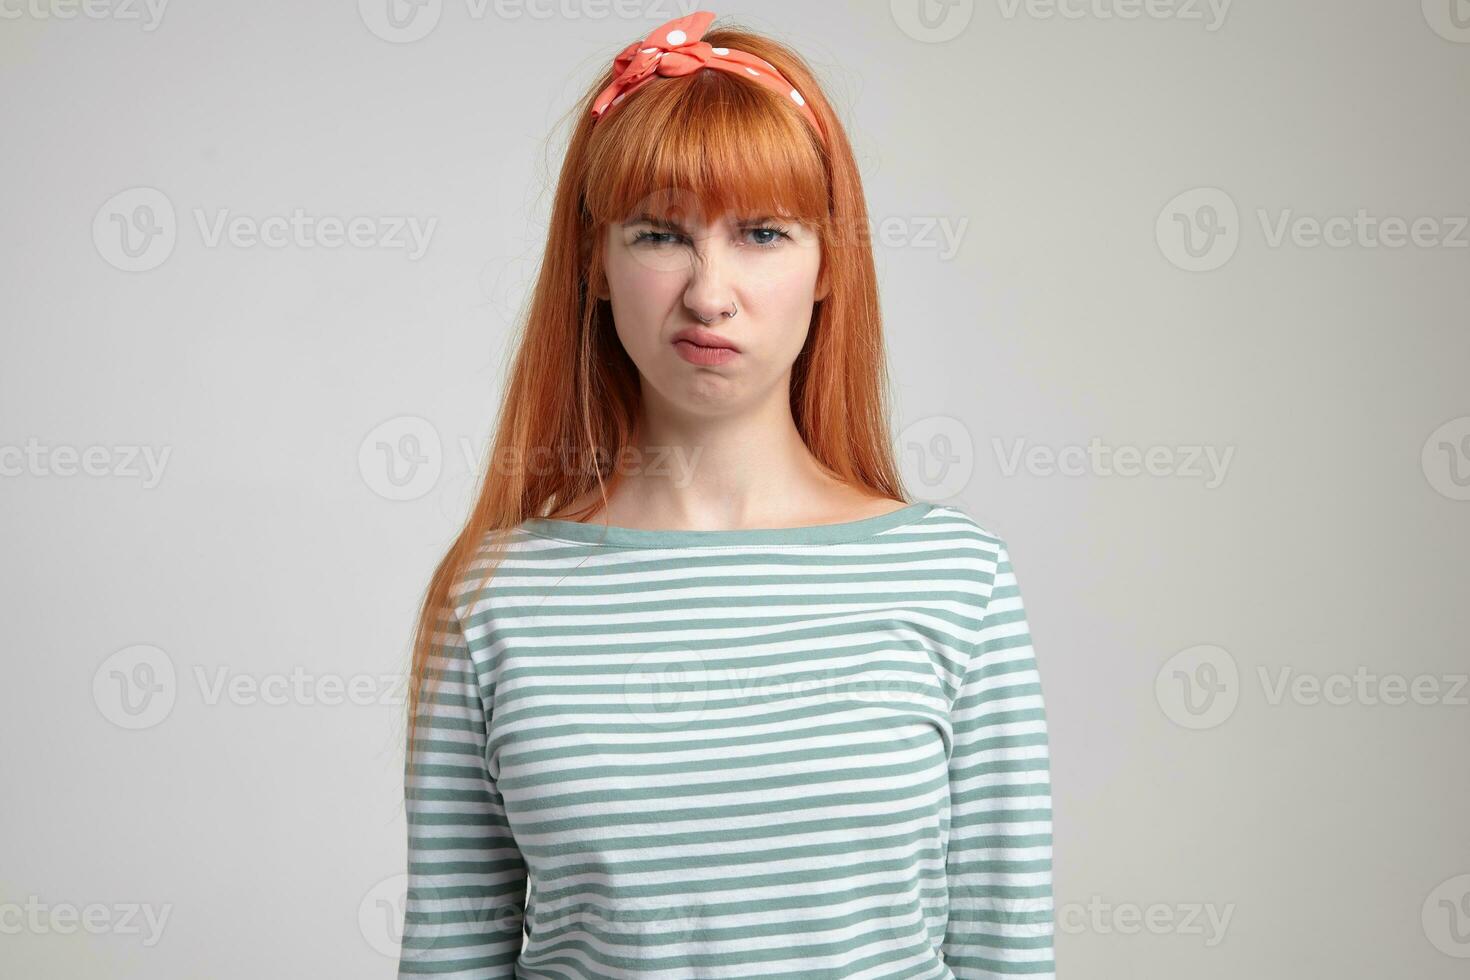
(824, 284)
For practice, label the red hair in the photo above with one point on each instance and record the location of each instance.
(707, 142)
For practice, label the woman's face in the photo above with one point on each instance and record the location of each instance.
(664, 274)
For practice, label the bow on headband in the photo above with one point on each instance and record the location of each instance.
(675, 48)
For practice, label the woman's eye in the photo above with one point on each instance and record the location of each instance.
(765, 237)
(776, 235)
(656, 237)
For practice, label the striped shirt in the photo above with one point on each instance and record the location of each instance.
(790, 754)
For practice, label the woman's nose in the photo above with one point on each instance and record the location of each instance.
(711, 281)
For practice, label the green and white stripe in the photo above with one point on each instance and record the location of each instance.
(803, 753)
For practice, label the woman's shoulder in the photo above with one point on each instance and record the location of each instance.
(495, 550)
(984, 553)
(960, 522)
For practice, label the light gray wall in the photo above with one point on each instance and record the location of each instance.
(194, 492)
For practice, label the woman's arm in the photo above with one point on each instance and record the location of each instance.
(466, 877)
(999, 861)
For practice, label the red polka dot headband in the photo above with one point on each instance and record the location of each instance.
(675, 48)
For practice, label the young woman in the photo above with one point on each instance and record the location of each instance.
(697, 691)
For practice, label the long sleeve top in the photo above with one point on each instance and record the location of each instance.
(808, 753)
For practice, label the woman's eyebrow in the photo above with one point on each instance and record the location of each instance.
(671, 225)
(648, 219)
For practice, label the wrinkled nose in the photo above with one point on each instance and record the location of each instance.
(711, 288)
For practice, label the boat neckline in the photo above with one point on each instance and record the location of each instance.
(612, 534)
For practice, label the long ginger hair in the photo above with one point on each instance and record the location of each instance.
(706, 142)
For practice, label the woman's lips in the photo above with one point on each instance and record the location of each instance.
(702, 355)
(701, 346)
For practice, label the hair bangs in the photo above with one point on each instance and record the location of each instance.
(703, 145)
